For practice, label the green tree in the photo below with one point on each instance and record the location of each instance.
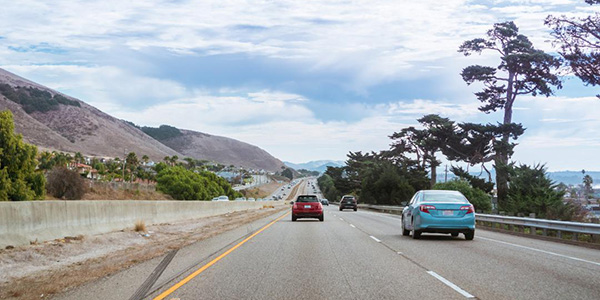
(480, 200)
(579, 43)
(46, 161)
(18, 177)
(424, 143)
(531, 191)
(383, 184)
(474, 181)
(588, 186)
(328, 189)
(191, 163)
(78, 157)
(183, 184)
(378, 178)
(131, 164)
(288, 173)
(523, 70)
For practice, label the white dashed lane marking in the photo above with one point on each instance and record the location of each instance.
(450, 284)
(376, 239)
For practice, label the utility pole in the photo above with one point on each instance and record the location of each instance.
(446, 175)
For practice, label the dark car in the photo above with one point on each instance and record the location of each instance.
(325, 202)
(348, 201)
(307, 206)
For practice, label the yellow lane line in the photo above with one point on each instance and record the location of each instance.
(208, 265)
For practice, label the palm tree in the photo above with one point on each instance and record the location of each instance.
(174, 159)
(132, 163)
(78, 157)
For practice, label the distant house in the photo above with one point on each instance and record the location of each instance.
(227, 175)
(87, 170)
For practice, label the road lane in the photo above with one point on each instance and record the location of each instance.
(494, 265)
(314, 260)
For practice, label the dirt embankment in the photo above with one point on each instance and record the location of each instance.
(41, 270)
(262, 191)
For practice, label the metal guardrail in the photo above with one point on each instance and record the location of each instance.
(534, 224)
(520, 223)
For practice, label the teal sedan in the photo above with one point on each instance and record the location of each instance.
(438, 211)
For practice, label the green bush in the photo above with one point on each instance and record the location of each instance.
(477, 197)
(183, 184)
(531, 191)
(163, 132)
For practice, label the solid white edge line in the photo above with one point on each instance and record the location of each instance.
(450, 284)
(542, 251)
(376, 239)
(352, 226)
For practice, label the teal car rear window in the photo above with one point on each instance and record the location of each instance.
(444, 197)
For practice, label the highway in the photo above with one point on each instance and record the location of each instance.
(359, 255)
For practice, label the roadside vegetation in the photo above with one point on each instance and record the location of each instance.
(19, 179)
(27, 175)
(392, 176)
(182, 184)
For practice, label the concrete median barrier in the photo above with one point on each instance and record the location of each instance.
(27, 221)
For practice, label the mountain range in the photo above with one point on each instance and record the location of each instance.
(317, 165)
(54, 121)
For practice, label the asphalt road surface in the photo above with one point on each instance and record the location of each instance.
(359, 255)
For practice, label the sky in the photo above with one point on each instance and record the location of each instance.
(304, 80)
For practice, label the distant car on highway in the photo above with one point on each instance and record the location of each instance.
(221, 198)
(439, 211)
(307, 206)
(348, 201)
(325, 202)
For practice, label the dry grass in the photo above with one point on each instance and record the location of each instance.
(140, 226)
(262, 191)
(105, 193)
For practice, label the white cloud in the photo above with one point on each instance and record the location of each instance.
(102, 86)
(374, 40)
(369, 42)
(288, 129)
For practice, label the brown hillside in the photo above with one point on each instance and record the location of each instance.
(224, 150)
(82, 129)
(88, 130)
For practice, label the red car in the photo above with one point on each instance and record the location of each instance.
(307, 206)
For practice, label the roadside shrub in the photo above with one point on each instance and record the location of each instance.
(477, 197)
(532, 191)
(65, 184)
(140, 226)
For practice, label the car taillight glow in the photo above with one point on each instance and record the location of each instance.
(426, 208)
(468, 208)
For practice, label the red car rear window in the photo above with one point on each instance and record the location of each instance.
(307, 199)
